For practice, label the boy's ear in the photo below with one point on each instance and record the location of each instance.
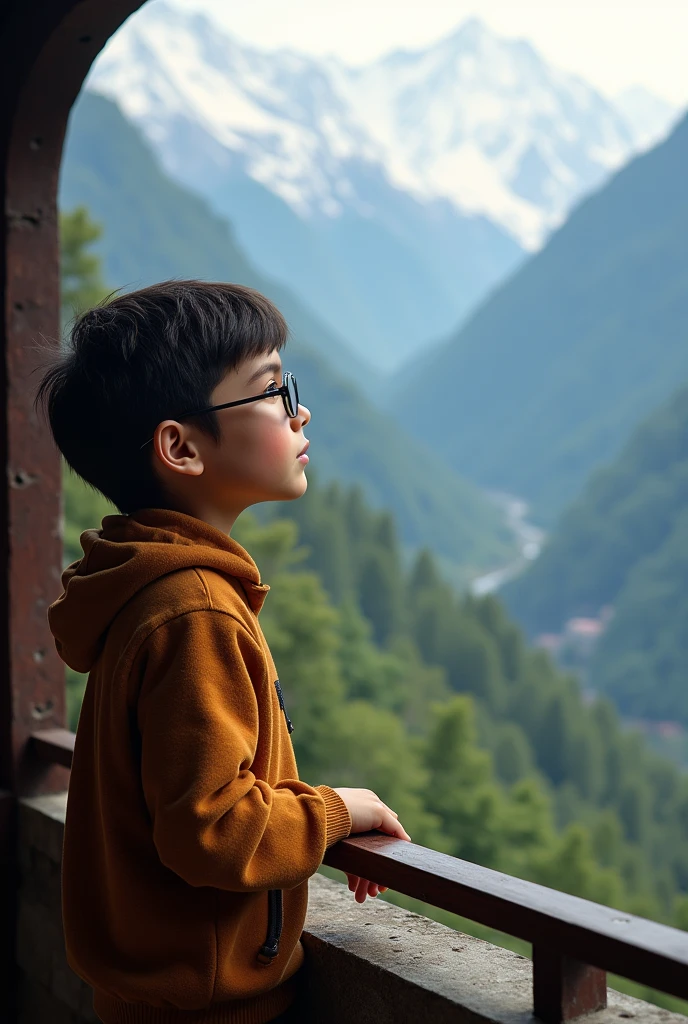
(176, 449)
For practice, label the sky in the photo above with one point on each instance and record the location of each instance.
(613, 44)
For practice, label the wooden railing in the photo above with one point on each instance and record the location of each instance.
(575, 942)
(54, 746)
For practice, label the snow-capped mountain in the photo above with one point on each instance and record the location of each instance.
(488, 124)
(279, 117)
(394, 196)
(649, 117)
(273, 145)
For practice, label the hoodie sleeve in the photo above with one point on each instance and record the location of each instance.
(214, 823)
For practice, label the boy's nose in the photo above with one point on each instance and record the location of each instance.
(303, 417)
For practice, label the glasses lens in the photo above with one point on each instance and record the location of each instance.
(292, 399)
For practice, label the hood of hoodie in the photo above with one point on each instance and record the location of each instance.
(127, 554)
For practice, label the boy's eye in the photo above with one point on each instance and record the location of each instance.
(272, 386)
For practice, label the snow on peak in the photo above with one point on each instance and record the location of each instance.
(474, 108)
(478, 120)
(277, 114)
(649, 116)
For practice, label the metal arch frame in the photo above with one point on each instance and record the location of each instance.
(46, 50)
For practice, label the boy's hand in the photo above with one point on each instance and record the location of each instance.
(361, 887)
(368, 812)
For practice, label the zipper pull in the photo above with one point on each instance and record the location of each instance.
(267, 952)
(270, 948)
(280, 697)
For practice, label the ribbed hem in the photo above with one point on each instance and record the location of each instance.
(256, 1010)
(338, 817)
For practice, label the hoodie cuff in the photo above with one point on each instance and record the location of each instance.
(338, 817)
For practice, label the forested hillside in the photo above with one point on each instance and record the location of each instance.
(625, 543)
(397, 683)
(154, 229)
(549, 378)
(484, 749)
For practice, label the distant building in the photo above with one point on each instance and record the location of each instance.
(549, 641)
(578, 638)
(583, 627)
(581, 635)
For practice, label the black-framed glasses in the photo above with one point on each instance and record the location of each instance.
(288, 391)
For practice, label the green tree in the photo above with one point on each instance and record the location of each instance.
(607, 838)
(527, 829)
(371, 749)
(461, 789)
(512, 752)
(681, 913)
(81, 286)
(553, 756)
(570, 866)
(368, 672)
(82, 283)
(586, 762)
(380, 592)
(424, 573)
(472, 662)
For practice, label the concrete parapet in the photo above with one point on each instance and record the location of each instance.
(370, 963)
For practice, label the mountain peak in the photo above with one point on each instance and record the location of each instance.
(475, 36)
(473, 119)
(471, 32)
(469, 35)
(648, 115)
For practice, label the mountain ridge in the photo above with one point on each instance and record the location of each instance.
(622, 545)
(552, 372)
(427, 179)
(155, 230)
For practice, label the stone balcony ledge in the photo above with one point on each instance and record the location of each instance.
(371, 962)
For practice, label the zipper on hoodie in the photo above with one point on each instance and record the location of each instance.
(270, 948)
(280, 697)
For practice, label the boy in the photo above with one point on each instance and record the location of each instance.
(189, 838)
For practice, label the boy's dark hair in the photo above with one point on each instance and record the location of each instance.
(141, 358)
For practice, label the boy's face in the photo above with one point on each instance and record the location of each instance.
(259, 455)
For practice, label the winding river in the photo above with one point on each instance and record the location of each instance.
(530, 539)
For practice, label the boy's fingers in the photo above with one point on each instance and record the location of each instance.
(394, 828)
(388, 808)
(363, 885)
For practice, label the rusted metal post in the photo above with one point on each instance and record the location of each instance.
(31, 682)
(30, 539)
(564, 988)
(46, 49)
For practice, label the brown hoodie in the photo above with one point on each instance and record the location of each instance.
(189, 838)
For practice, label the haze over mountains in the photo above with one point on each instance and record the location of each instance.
(391, 197)
(551, 375)
(155, 229)
(387, 206)
(624, 543)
